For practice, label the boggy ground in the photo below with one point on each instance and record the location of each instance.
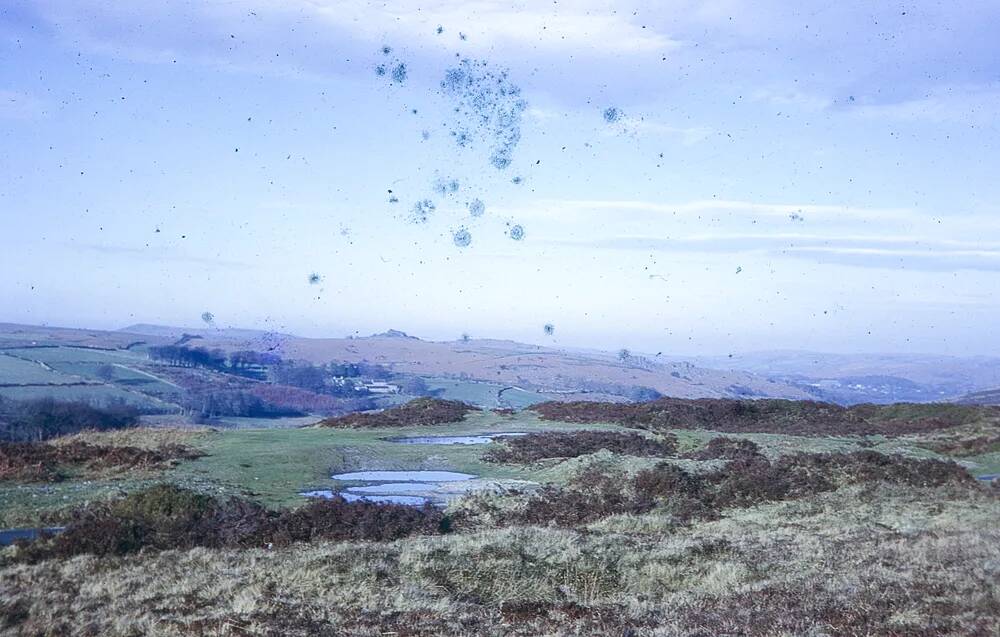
(750, 534)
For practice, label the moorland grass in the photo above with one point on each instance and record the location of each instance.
(872, 559)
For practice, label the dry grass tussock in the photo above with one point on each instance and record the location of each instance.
(871, 559)
(550, 444)
(141, 437)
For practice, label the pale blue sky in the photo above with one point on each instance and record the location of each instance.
(810, 177)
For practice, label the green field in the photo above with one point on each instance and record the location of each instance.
(59, 372)
(95, 394)
(17, 371)
(75, 355)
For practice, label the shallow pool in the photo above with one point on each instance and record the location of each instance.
(411, 500)
(476, 439)
(403, 476)
(9, 536)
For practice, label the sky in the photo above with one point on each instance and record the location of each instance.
(686, 177)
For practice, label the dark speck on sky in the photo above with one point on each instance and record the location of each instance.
(399, 73)
(422, 211)
(488, 108)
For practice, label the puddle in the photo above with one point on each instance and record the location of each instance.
(414, 487)
(989, 477)
(478, 439)
(403, 476)
(411, 500)
(391, 487)
(9, 536)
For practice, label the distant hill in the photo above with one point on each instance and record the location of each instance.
(166, 331)
(985, 397)
(543, 369)
(485, 366)
(879, 378)
(393, 334)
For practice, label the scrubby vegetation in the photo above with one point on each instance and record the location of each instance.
(872, 560)
(42, 462)
(47, 418)
(747, 479)
(629, 533)
(417, 412)
(538, 446)
(961, 447)
(802, 418)
(169, 517)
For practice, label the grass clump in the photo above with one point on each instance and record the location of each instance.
(165, 517)
(417, 412)
(538, 446)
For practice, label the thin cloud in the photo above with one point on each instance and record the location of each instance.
(707, 206)
(875, 252)
(157, 255)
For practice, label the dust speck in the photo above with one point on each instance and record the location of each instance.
(399, 73)
(462, 238)
(476, 208)
(422, 210)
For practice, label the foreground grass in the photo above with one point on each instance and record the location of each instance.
(864, 560)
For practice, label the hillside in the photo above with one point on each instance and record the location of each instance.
(985, 397)
(879, 378)
(543, 369)
(303, 376)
